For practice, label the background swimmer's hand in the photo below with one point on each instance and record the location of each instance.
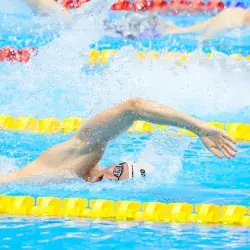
(168, 28)
(217, 142)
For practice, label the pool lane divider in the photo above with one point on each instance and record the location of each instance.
(173, 6)
(103, 56)
(125, 210)
(24, 55)
(12, 54)
(239, 131)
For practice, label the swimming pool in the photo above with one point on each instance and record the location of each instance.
(212, 90)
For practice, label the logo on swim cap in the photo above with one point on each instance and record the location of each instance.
(143, 172)
(140, 169)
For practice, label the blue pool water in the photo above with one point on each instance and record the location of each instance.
(55, 84)
(201, 178)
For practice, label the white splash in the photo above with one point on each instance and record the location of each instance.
(203, 87)
(7, 165)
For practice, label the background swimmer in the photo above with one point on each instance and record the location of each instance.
(48, 7)
(135, 25)
(81, 154)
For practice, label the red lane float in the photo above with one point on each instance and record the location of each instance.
(175, 6)
(75, 4)
(159, 4)
(19, 55)
(123, 5)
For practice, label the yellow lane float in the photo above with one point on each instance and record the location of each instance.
(49, 125)
(103, 56)
(156, 212)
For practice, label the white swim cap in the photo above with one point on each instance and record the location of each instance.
(139, 169)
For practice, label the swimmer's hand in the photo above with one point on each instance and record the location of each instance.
(217, 141)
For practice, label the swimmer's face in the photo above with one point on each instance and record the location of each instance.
(108, 174)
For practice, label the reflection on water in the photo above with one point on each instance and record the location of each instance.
(84, 234)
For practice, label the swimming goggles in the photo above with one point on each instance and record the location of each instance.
(118, 170)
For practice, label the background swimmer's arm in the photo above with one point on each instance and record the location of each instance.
(170, 28)
(226, 19)
(112, 122)
(6, 178)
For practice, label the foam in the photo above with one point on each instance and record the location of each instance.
(7, 165)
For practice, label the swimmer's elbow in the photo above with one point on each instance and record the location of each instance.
(139, 106)
(136, 104)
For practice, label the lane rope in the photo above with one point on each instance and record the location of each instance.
(103, 56)
(50, 125)
(126, 210)
(173, 6)
(12, 54)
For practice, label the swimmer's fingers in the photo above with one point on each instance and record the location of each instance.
(212, 146)
(220, 144)
(216, 152)
(230, 145)
(225, 153)
(228, 151)
(222, 149)
(228, 137)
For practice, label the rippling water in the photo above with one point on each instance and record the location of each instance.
(83, 234)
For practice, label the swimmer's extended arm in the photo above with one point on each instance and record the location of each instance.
(112, 122)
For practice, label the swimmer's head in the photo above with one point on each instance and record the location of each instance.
(124, 171)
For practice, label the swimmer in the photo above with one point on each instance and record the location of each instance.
(135, 25)
(48, 7)
(81, 154)
(226, 19)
